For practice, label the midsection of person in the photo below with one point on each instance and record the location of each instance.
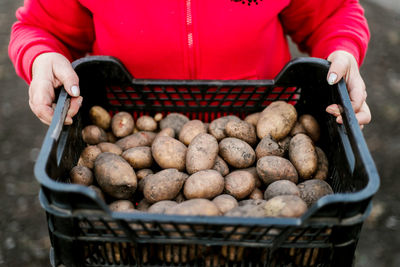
(191, 39)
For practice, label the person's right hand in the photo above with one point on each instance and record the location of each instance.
(49, 71)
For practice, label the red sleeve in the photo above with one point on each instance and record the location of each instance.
(321, 27)
(49, 26)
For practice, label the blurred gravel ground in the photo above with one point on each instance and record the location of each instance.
(24, 237)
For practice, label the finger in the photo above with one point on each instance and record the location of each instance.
(338, 68)
(333, 110)
(364, 115)
(357, 92)
(66, 75)
(75, 104)
(41, 97)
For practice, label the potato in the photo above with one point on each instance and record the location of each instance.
(109, 147)
(285, 206)
(311, 126)
(322, 165)
(122, 124)
(180, 198)
(201, 153)
(273, 168)
(239, 184)
(196, 207)
(93, 135)
(268, 147)
(190, 130)
(161, 206)
(284, 144)
(81, 175)
(297, 128)
(253, 172)
(254, 202)
(111, 137)
(276, 120)
(252, 118)
(142, 138)
(163, 185)
(313, 189)
(303, 156)
(166, 132)
(221, 166)
(256, 194)
(203, 184)
(100, 117)
(225, 202)
(247, 210)
(217, 126)
(138, 157)
(146, 123)
(169, 153)
(174, 121)
(158, 117)
(88, 156)
(236, 152)
(121, 205)
(140, 174)
(281, 187)
(241, 130)
(115, 176)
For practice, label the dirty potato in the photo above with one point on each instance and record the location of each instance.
(236, 153)
(109, 147)
(190, 130)
(303, 155)
(146, 123)
(252, 118)
(322, 165)
(239, 184)
(269, 147)
(225, 202)
(81, 175)
(221, 166)
(198, 206)
(122, 124)
(313, 189)
(169, 153)
(138, 157)
(142, 138)
(276, 120)
(242, 130)
(311, 126)
(163, 185)
(100, 117)
(273, 168)
(88, 156)
(285, 206)
(201, 153)
(115, 176)
(281, 187)
(93, 135)
(161, 206)
(122, 205)
(203, 184)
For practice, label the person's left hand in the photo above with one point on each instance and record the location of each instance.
(344, 65)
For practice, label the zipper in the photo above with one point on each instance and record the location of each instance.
(189, 38)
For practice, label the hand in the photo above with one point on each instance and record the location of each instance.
(49, 71)
(344, 65)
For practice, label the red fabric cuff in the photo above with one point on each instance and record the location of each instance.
(324, 49)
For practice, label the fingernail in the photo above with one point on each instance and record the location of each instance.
(75, 90)
(332, 78)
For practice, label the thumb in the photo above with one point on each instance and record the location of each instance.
(67, 76)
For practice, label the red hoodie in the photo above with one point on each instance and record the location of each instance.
(188, 39)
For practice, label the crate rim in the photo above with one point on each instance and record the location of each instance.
(349, 118)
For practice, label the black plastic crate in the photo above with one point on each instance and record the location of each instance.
(84, 232)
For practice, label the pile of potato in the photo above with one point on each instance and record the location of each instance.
(266, 165)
